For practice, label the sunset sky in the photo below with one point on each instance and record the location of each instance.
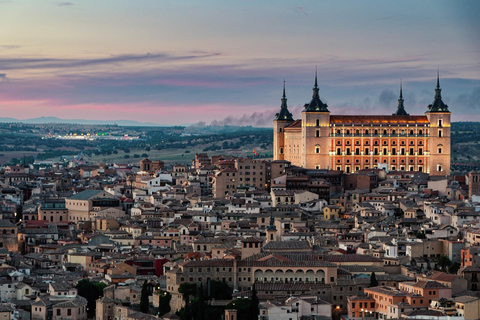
(179, 62)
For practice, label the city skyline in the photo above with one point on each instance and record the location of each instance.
(176, 63)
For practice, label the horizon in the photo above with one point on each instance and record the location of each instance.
(119, 60)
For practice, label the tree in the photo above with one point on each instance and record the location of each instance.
(188, 312)
(421, 235)
(91, 292)
(201, 304)
(164, 303)
(444, 263)
(373, 280)
(453, 269)
(253, 309)
(144, 298)
(187, 290)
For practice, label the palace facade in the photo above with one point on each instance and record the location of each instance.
(353, 142)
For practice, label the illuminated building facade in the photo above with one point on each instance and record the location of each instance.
(353, 142)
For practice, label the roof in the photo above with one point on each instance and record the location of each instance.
(379, 119)
(286, 245)
(316, 105)
(85, 195)
(443, 277)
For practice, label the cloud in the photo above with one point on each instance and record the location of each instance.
(386, 97)
(255, 119)
(10, 47)
(63, 4)
(3, 77)
(469, 100)
(59, 63)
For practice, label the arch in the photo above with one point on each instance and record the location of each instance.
(269, 275)
(289, 275)
(310, 275)
(320, 276)
(258, 275)
(279, 275)
(299, 276)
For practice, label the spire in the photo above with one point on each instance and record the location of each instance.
(438, 105)
(401, 108)
(315, 86)
(272, 227)
(284, 114)
(438, 91)
(316, 105)
(401, 87)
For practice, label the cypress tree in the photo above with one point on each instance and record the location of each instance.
(144, 298)
(373, 280)
(201, 304)
(254, 302)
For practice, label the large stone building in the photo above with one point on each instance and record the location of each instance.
(354, 142)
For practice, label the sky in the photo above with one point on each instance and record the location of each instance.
(224, 62)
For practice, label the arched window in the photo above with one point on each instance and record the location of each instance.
(317, 149)
(317, 122)
(366, 132)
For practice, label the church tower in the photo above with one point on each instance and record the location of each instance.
(401, 107)
(439, 136)
(282, 119)
(315, 132)
(272, 230)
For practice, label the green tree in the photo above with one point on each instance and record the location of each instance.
(164, 303)
(373, 280)
(100, 286)
(187, 290)
(144, 298)
(242, 306)
(453, 269)
(188, 312)
(91, 292)
(219, 290)
(421, 235)
(444, 263)
(201, 304)
(253, 309)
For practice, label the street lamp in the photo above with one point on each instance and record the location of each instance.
(362, 313)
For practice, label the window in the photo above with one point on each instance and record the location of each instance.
(281, 150)
(69, 312)
(439, 150)
(440, 133)
(439, 122)
(317, 133)
(317, 149)
(339, 151)
(439, 167)
(58, 312)
(317, 123)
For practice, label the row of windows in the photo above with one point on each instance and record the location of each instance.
(378, 132)
(394, 161)
(376, 142)
(377, 151)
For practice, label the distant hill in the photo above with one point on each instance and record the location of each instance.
(42, 120)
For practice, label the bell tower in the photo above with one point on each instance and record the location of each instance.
(439, 146)
(282, 119)
(315, 132)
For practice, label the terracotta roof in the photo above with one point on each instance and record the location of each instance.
(382, 119)
(441, 276)
(295, 125)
